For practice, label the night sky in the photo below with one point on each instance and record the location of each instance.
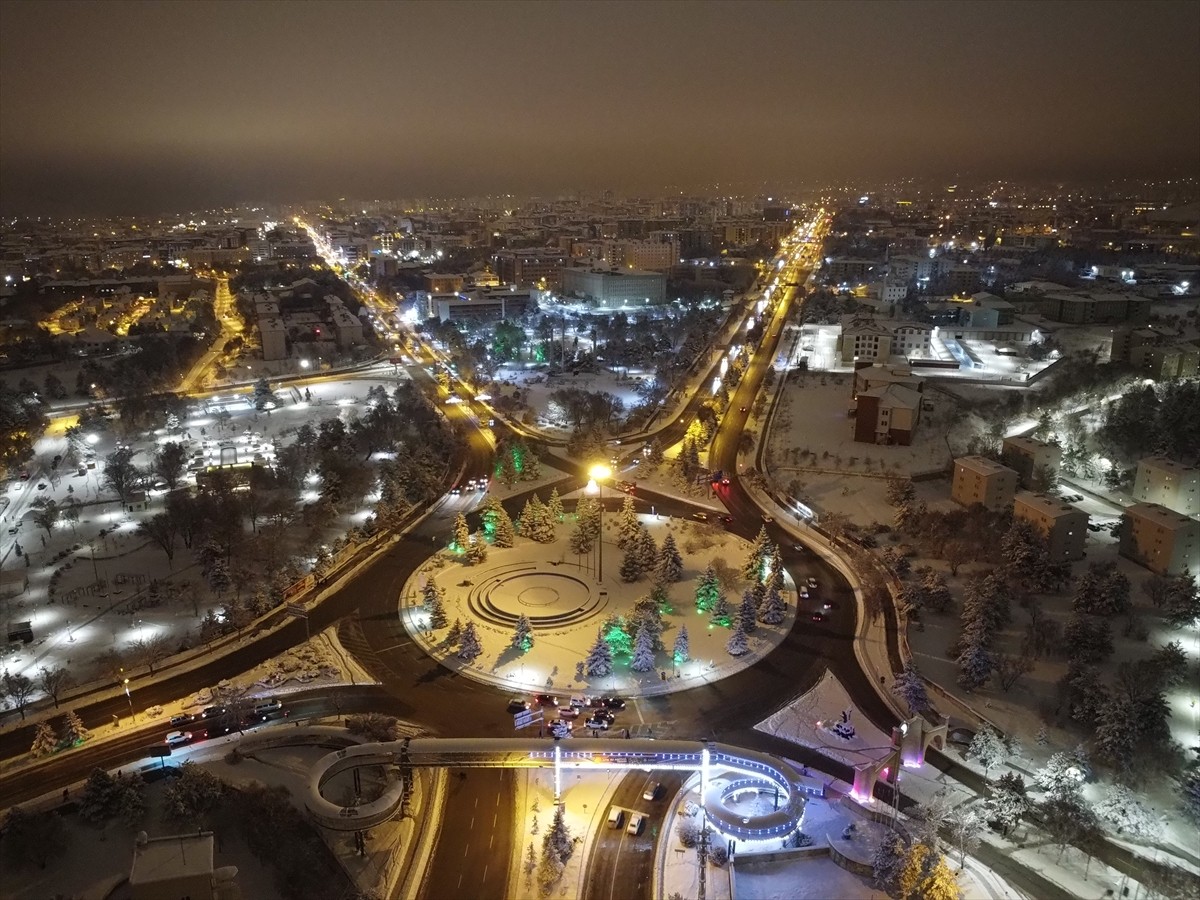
(146, 107)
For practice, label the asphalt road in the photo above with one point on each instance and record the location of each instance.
(475, 845)
(621, 864)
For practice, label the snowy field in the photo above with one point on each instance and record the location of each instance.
(96, 605)
(535, 388)
(551, 663)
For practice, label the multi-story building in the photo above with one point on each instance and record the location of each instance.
(346, 326)
(1168, 483)
(486, 304)
(865, 339)
(1063, 526)
(848, 268)
(614, 287)
(1027, 455)
(1167, 361)
(181, 865)
(1160, 539)
(887, 414)
(443, 284)
(541, 267)
(1085, 309)
(978, 479)
(273, 333)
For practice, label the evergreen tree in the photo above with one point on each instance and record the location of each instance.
(454, 635)
(1089, 638)
(523, 635)
(468, 646)
(1125, 813)
(774, 565)
(218, 577)
(627, 523)
(643, 650)
(747, 613)
(708, 589)
(437, 614)
(722, 612)
(530, 864)
(631, 564)
(912, 872)
(617, 635)
(1181, 601)
(580, 542)
(554, 507)
(45, 741)
(1008, 803)
(1189, 795)
(909, 686)
(1117, 733)
(477, 550)
(670, 563)
(1102, 590)
(497, 524)
(974, 665)
(1043, 737)
(430, 592)
(539, 527)
(647, 550)
(462, 534)
(681, 650)
(774, 608)
(587, 516)
(73, 730)
(599, 659)
(759, 552)
(936, 593)
(737, 645)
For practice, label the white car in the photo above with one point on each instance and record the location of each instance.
(178, 738)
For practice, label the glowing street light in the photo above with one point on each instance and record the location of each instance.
(596, 475)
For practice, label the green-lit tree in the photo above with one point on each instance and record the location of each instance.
(708, 589)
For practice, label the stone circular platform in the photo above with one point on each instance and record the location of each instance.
(550, 598)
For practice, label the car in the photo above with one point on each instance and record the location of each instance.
(178, 738)
(725, 481)
(181, 719)
(742, 409)
(568, 712)
(518, 705)
(41, 485)
(652, 791)
(24, 476)
(606, 714)
(614, 703)
(545, 700)
(598, 723)
(636, 821)
(827, 605)
(264, 709)
(456, 490)
(768, 519)
(628, 487)
(803, 593)
(470, 486)
(481, 484)
(812, 582)
(581, 702)
(818, 617)
(491, 423)
(595, 702)
(213, 712)
(700, 517)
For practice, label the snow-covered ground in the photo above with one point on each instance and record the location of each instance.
(84, 619)
(536, 386)
(551, 664)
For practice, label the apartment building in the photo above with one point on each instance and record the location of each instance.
(1063, 526)
(978, 479)
(1168, 483)
(1026, 455)
(1160, 539)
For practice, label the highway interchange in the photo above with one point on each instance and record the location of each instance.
(476, 840)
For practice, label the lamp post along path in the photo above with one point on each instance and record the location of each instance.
(595, 485)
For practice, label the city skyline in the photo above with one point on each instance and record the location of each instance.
(134, 108)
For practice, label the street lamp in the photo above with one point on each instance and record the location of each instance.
(129, 698)
(597, 474)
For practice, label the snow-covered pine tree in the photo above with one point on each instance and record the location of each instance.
(681, 651)
(631, 563)
(940, 883)
(722, 612)
(974, 665)
(670, 562)
(754, 566)
(774, 568)
(477, 549)
(643, 650)
(1008, 803)
(774, 608)
(587, 516)
(73, 730)
(530, 864)
(1189, 795)
(737, 645)
(540, 529)
(627, 523)
(496, 522)
(888, 861)
(45, 741)
(748, 613)
(430, 592)
(647, 550)
(554, 506)
(708, 588)
(468, 646)
(910, 687)
(1043, 736)
(525, 520)
(580, 541)
(437, 614)
(599, 658)
(454, 635)
(462, 534)
(523, 634)
(758, 591)
(1125, 813)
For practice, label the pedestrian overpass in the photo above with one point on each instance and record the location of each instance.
(754, 771)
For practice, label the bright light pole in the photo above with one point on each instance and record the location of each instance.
(129, 698)
(597, 474)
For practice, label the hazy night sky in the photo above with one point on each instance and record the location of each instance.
(127, 107)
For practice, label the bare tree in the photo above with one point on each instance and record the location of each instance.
(162, 529)
(150, 651)
(18, 688)
(54, 681)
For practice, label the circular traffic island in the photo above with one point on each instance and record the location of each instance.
(532, 617)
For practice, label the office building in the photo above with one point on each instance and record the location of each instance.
(179, 866)
(541, 267)
(615, 287)
(978, 479)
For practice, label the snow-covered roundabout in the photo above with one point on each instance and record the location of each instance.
(571, 601)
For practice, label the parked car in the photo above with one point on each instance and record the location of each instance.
(597, 722)
(178, 738)
(700, 517)
(636, 821)
(181, 719)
